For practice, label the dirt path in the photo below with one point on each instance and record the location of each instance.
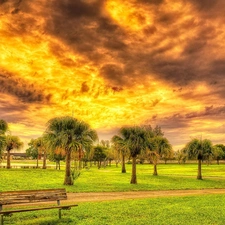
(109, 196)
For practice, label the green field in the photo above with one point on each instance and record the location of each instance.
(206, 209)
(171, 176)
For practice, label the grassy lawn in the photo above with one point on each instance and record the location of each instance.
(207, 209)
(193, 210)
(171, 176)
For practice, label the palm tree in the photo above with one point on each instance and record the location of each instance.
(69, 134)
(3, 126)
(57, 156)
(181, 156)
(135, 139)
(108, 151)
(12, 142)
(99, 155)
(120, 145)
(158, 147)
(198, 148)
(3, 129)
(32, 151)
(41, 146)
(218, 152)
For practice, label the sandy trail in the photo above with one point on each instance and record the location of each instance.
(110, 196)
(76, 198)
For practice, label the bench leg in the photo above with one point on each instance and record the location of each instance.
(1, 220)
(60, 214)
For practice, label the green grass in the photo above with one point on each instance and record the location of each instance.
(191, 210)
(171, 177)
(206, 209)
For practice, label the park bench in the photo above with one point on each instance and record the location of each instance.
(29, 198)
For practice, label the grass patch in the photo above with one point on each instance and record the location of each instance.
(192, 210)
(171, 177)
(207, 209)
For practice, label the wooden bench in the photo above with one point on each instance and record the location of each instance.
(33, 196)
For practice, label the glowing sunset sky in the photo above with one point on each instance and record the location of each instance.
(113, 63)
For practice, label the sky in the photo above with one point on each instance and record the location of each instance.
(114, 63)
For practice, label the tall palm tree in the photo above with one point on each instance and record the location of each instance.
(12, 142)
(120, 145)
(69, 134)
(3, 129)
(198, 148)
(135, 138)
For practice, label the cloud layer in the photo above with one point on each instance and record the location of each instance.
(114, 62)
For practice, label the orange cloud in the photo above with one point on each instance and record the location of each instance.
(113, 63)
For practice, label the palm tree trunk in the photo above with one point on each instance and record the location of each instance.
(155, 173)
(134, 176)
(98, 164)
(79, 158)
(68, 178)
(44, 160)
(8, 160)
(123, 164)
(37, 161)
(199, 177)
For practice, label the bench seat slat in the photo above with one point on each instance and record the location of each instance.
(33, 191)
(21, 197)
(36, 209)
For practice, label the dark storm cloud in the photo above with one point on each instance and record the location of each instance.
(168, 18)
(174, 121)
(72, 28)
(88, 31)
(24, 21)
(123, 57)
(2, 1)
(112, 72)
(21, 89)
(154, 2)
(217, 67)
(10, 6)
(96, 37)
(10, 106)
(80, 8)
(207, 9)
(175, 71)
(84, 87)
(205, 5)
(191, 65)
(217, 89)
(182, 120)
(209, 111)
(12, 111)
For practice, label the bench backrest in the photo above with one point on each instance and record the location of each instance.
(20, 197)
